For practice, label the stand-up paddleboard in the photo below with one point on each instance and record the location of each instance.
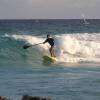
(49, 59)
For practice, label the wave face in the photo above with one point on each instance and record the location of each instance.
(69, 48)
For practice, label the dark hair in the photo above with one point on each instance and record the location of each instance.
(48, 35)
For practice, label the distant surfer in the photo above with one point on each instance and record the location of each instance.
(50, 40)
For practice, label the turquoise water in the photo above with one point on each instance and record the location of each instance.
(74, 77)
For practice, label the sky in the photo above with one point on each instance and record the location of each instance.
(49, 9)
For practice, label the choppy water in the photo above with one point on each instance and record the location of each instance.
(75, 76)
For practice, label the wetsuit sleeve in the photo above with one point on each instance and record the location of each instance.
(45, 41)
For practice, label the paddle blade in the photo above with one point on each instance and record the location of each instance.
(26, 46)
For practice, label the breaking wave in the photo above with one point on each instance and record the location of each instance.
(69, 48)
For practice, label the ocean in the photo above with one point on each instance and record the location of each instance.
(74, 76)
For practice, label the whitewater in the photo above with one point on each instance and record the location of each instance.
(69, 48)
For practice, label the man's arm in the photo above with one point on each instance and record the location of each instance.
(45, 41)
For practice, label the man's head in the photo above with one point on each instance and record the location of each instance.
(48, 35)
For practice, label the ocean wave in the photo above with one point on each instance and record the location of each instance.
(71, 48)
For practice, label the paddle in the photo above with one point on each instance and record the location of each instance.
(27, 46)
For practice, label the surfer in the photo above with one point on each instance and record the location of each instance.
(50, 40)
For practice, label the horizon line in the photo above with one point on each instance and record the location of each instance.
(47, 18)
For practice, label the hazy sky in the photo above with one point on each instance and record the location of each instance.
(57, 9)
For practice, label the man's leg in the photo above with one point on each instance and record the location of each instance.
(52, 51)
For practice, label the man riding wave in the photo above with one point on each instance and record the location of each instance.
(50, 40)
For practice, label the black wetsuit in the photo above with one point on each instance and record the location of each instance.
(50, 41)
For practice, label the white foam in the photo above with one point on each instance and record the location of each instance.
(69, 47)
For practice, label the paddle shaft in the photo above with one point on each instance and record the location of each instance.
(27, 46)
(36, 44)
